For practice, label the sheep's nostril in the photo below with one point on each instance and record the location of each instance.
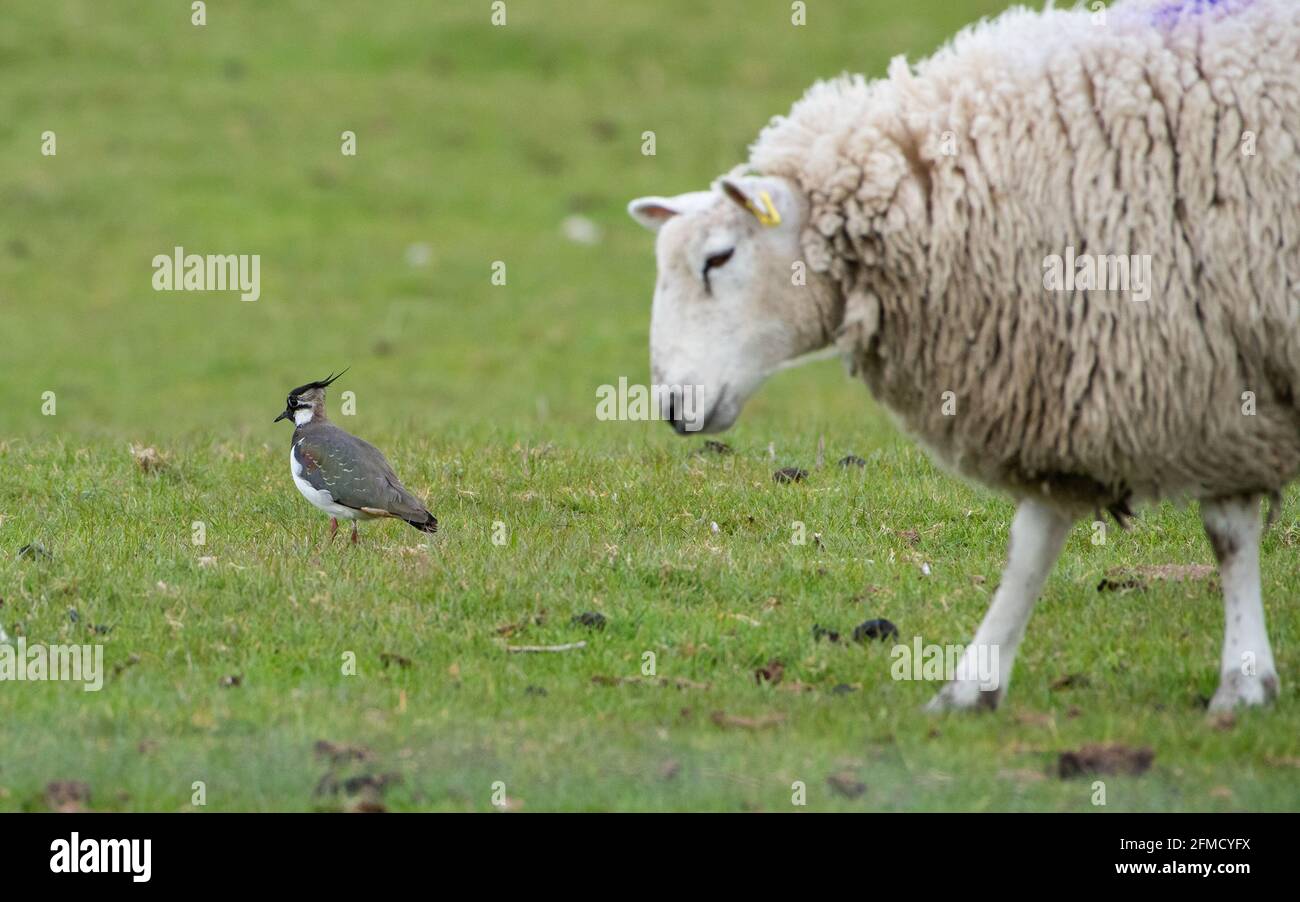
(675, 411)
(675, 408)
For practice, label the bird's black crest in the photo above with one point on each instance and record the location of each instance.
(320, 384)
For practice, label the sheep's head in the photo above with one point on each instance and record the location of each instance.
(733, 301)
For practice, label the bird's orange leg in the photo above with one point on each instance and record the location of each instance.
(355, 538)
(334, 527)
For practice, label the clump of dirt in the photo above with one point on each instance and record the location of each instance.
(67, 796)
(338, 752)
(846, 784)
(880, 629)
(148, 459)
(1123, 579)
(1102, 759)
(601, 679)
(770, 673)
(593, 619)
(1071, 681)
(761, 722)
(821, 632)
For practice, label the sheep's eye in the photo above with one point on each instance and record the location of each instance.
(715, 260)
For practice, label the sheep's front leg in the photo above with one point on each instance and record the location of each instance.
(1038, 532)
(1247, 675)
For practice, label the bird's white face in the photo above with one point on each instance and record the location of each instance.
(733, 302)
(307, 402)
(303, 408)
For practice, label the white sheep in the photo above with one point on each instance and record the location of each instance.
(948, 228)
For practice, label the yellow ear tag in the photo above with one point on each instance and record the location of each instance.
(768, 215)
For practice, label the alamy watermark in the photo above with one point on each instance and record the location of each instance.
(652, 402)
(103, 856)
(946, 663)
(21, 663)
(1098, 272)
(212, 272)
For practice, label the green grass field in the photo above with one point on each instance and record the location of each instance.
(474, 143)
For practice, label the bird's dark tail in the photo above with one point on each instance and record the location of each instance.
(429, 524)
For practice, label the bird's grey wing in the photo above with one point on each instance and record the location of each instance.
(356, 474)
(311, 456)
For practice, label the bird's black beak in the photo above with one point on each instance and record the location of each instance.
(283, 416)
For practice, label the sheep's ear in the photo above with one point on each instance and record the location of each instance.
(766, 199)
(653, 212)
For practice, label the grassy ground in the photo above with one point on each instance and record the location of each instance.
(474, 144)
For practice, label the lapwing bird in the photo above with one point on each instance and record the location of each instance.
(341, 474)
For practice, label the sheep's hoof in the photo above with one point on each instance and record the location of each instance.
(965, 695)
(1236, 689)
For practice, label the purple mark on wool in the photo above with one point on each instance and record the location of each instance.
(1172, 12)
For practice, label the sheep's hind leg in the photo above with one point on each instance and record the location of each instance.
(1247, 675)
(1038, 532)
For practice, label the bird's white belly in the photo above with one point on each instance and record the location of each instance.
(321, 498)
